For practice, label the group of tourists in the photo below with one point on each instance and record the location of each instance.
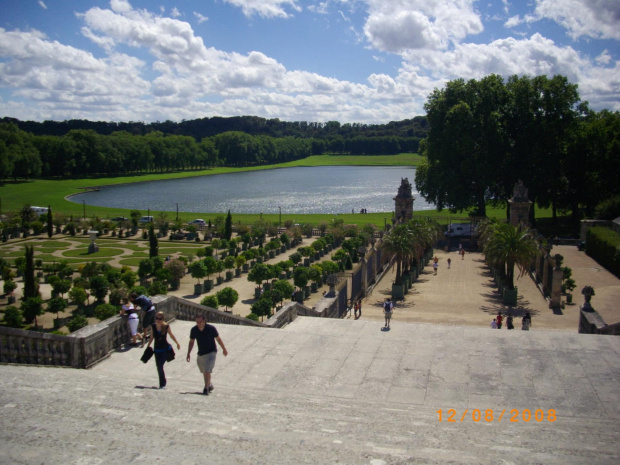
(156, 332)
(526, 321)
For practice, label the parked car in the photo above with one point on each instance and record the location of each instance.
(119, 218)
(145, 219)
(198, 222)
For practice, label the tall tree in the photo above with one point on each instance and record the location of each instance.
(228, 227)
(465, 144)
(153, 243)
(50, 223)
(31, 289)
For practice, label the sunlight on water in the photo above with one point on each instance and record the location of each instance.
(324, 189)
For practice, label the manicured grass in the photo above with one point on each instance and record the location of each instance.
(103, 252)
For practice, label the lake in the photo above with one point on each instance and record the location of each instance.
(304, 190)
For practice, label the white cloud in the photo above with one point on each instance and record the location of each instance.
(266, 8)
(415, 24)
(175, 12)
(42, 4)
(120, 6)
(589, 18)
(66, 82)
(201, 18)
(179, 77)
(513, 21)
(604, 58)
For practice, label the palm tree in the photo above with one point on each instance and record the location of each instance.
(398, 243)
(507, 246)
(426, 233)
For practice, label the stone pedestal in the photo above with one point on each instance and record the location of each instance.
(93, 247)
(555, 293)
(519, 206)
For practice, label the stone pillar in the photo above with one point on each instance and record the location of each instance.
(555, 293)
(403, 202)
(364, 268)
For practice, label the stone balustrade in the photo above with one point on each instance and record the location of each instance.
(93, 343)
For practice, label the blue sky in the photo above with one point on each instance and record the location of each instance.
(369, 61)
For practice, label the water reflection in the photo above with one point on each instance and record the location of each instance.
(304, 190)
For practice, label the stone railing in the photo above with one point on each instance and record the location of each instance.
(325, 308)
(591, 322)
(181, 309)
(93, 343)
(81, 349)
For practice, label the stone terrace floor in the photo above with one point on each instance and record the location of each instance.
(329, 391)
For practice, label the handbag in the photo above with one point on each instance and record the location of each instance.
(148, 353)
(170, 354)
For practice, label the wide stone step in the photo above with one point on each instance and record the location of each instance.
(326, 391)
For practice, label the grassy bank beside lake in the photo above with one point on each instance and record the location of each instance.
(44, 192)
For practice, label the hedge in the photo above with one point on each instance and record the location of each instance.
(603, 245)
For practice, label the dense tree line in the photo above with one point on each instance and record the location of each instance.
(119, 149)
(253, 125)
(487, 135)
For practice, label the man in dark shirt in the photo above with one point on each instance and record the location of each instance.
(206, 335)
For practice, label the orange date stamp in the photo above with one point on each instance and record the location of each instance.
(491, 415)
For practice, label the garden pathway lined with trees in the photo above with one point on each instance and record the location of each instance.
(466, 295)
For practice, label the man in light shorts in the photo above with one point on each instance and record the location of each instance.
(206, 335)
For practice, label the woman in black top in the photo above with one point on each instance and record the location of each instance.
(162, 348)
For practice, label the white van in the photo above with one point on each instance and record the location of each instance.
(145, 219)
(39, 210)
(459, 229)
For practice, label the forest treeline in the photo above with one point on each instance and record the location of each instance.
(80, 148)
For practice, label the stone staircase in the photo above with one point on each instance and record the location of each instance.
(327, 391)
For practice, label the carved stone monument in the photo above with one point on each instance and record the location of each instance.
(93, 247)
(519, 206)
(403, 202)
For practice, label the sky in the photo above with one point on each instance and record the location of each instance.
(352, 61)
